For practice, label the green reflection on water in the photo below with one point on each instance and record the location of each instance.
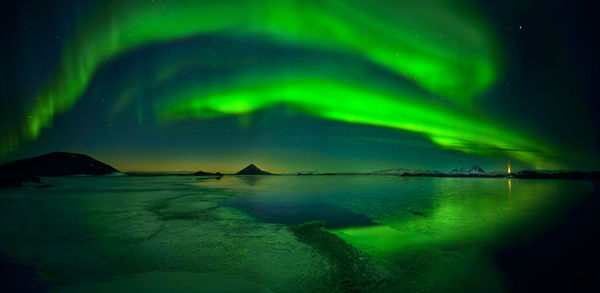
(464, 212)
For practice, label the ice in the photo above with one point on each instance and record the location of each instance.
(171, 282)
(178, 233)
(119, 227)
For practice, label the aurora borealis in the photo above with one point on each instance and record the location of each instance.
(446, 77)
(299, 146)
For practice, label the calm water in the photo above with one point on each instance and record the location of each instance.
(274, 233)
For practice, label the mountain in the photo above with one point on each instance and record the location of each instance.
(475, 170)
(252, 170)
(50, 165)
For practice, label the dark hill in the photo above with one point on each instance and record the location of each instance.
(202, 173)
(252, 170)
(51, 165)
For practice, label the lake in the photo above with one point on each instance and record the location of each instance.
(294, 233)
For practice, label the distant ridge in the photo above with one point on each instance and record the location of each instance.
(202, 173)
(576, 175)
(51, 165)
(252, 170)
(473, 170)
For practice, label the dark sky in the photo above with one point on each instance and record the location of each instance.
(302, 85)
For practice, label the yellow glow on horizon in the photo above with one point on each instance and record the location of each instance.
(180, 162)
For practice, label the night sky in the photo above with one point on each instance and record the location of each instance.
(307, 85)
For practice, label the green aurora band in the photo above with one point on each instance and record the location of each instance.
(444, 48)
(348, 102)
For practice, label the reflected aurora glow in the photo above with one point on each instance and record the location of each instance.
(473, 219)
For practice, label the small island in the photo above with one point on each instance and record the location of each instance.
(252, 170)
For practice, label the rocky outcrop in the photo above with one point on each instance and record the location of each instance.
(202, 173)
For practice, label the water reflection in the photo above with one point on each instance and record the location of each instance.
(466, 211)
(250, 180)
(428, 229)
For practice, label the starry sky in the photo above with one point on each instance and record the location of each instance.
(312, 85)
